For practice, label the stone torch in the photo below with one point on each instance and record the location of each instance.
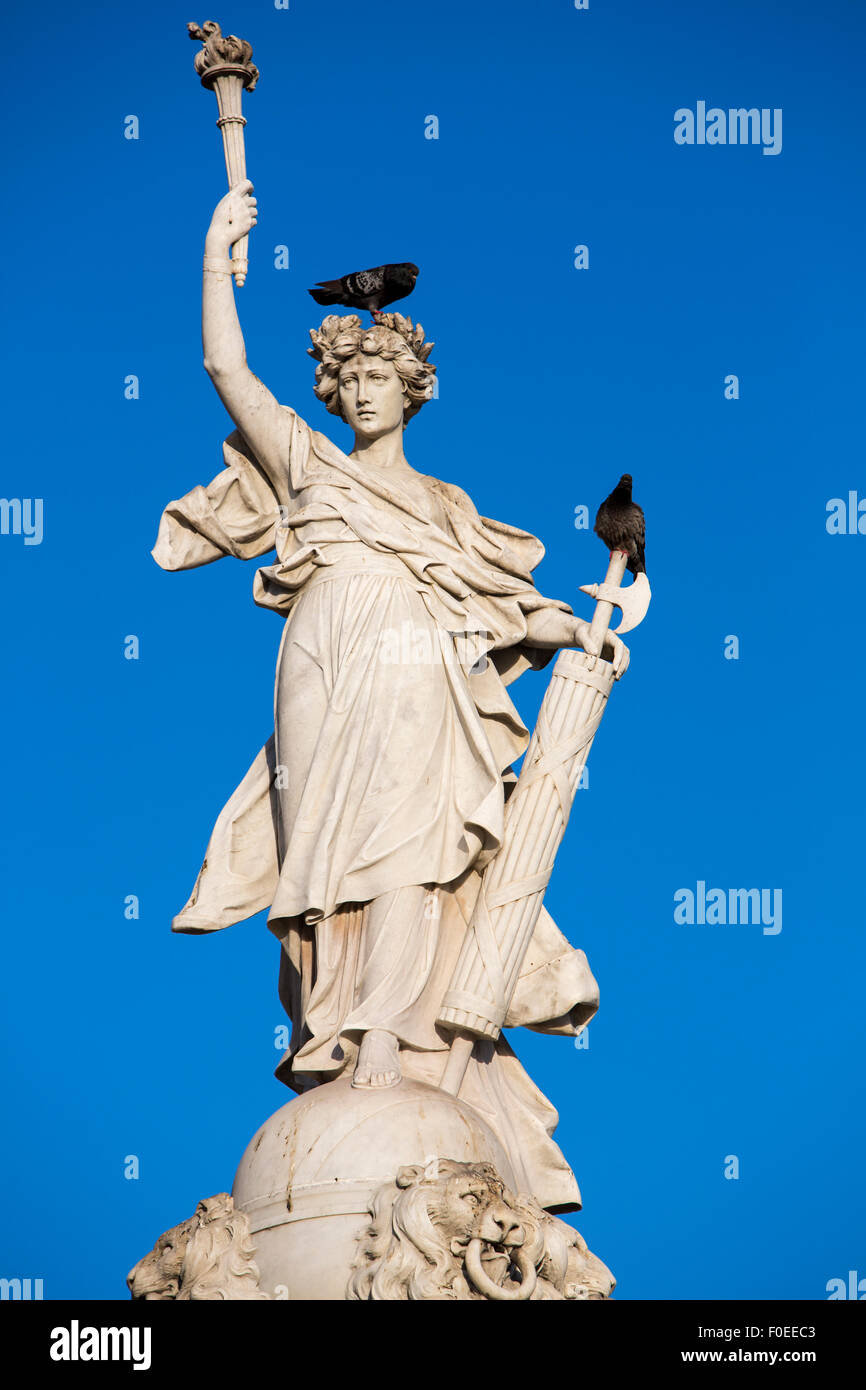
(224, 65)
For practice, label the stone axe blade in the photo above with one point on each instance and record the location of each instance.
(633, 600)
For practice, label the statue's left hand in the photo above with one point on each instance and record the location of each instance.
(614, 649)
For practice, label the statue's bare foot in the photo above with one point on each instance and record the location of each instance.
(378, 1060)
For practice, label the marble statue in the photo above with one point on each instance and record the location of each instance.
(366, 823)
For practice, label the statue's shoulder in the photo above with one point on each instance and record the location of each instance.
(454, 494)
(461, 499)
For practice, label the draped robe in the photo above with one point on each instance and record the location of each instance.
(405, 618)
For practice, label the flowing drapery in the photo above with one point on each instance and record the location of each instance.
(394, 738)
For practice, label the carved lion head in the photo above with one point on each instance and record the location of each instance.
(207, 1258)
(449, 1230)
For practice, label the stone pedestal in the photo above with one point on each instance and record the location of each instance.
(401, 1193)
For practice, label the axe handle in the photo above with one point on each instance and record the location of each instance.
(603, 609)
(458, 1060)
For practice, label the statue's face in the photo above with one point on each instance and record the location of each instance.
(371, 395)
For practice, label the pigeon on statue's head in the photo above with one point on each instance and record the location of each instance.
(621, 525)
(369, 289)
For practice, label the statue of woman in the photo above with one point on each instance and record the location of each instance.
(365, 823)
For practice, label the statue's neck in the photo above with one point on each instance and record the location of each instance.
(385, 452)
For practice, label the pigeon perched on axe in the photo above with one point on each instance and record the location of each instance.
(621, 525)
(369, 289)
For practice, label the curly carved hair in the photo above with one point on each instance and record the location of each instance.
(392, 337)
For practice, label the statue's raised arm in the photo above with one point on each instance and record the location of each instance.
(255, 411)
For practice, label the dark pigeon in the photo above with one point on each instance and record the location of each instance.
(369, 289)
(622, 526)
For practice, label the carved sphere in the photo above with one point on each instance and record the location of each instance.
(309, 1175)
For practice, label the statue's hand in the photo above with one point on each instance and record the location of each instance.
(234, 216)
(614, 650)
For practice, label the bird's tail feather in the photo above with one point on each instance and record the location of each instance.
(637, 563)
(323, 296)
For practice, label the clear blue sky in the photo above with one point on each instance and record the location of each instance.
(556, 129)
